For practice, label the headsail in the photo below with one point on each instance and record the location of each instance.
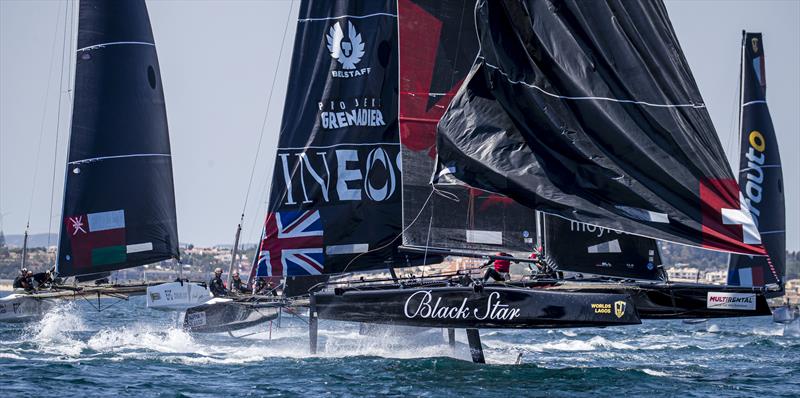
(579, 247)
(119, 201)
(438, 46)
(588, 110)
(760, 175)
(335, 199)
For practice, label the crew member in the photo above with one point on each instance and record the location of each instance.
(44, 280)
(22, 281)
(216, 285)
(237, 285)
(500, 270)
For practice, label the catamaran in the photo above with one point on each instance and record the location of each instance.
(119, 205)
(416, 129)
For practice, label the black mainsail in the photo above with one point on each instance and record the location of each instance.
(760, 175)
(334, 205)
(595, 121)
(119, 202)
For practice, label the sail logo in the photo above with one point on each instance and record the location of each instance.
(355, 112)
(619, 308)
(732, 301)
(755, 173)
(421, 305)
(346, 50)
(340, 175)
(577, 226)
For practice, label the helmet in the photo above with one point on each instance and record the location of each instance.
(235, 273)
(218, 270)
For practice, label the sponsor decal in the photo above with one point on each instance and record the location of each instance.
(353, 112)
(334, 175)
(754, 174)
(732, 301)
(619, 308)
(347, 49)
(196, 319)
(604, 264)
(155, 297)
(422, 305)
(601, 308)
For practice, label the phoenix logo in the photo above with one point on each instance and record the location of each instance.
(347, 51)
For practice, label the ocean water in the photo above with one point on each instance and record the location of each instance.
(128, 350)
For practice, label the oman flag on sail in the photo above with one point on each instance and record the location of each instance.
(98, 239)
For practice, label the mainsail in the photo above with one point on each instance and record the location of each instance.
(335, 200)
(588, 110)
(438, 46)
(119, 203)
(760, 175)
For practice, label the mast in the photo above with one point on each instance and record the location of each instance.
(234, 251)
(24, 247)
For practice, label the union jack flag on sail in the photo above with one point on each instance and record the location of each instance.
(291, 244)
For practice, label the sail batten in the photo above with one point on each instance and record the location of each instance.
(119, 204)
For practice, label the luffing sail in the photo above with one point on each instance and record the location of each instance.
(760, 175)
(335, 199)
(119, 202)
(438, 46)
(588, 110)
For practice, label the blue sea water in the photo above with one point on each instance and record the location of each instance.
(130, 351)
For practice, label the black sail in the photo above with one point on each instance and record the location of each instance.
(588, 110)
(119, 201)
(580, 247)
(760, 175)
(334, 205)
(438, 46)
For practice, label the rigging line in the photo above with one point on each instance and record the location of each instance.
(430, 195)
(58, 119)
(44, 117)
(269, 103)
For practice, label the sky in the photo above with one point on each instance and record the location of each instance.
(219, 59)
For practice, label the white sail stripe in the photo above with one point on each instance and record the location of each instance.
(338, 145)
(115, 43)
(754, 102)
(766, 166)
(377, 14)
(625, 101)
(134, 155)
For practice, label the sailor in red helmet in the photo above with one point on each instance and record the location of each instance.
(500, 270)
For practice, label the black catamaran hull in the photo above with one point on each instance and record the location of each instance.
(490, 307)
(546, 304)
(227, 316)
(699, 301)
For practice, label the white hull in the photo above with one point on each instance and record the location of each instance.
(785, 314)
(176, 296)
(22, 308)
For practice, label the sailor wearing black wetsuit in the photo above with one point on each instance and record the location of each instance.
(237, 285)
(216, 285)
(23, 280)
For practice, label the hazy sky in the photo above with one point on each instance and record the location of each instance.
(217, 62)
